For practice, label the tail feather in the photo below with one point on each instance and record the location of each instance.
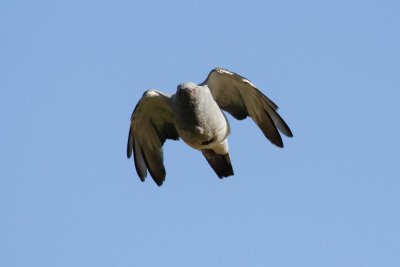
(221, 164)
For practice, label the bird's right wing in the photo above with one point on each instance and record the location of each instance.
(152, 123)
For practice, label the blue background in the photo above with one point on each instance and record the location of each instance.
(71, 73)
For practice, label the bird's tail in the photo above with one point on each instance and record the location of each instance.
(221, 164)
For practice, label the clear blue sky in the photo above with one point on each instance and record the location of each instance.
(71, 73)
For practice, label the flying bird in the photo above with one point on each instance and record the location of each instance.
(195, 114)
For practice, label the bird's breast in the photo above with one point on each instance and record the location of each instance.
(202, 129)
(199, 120)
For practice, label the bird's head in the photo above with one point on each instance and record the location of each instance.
(188, 89)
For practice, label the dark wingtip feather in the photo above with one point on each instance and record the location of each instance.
(284, 128)
(142, 176)
(158, 179)
(278, 142)
(289, 134)
(159, 182)
(280, 145)
(270, 131)
(129, 147)
(281, 124)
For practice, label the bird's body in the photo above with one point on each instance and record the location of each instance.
(194, 114)
(198, 127)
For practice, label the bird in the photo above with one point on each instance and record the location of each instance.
(195, 114)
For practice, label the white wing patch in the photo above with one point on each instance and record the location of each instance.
(151, 93)
(224, 71)
(248, 82)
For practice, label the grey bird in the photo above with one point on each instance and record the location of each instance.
(194, 114)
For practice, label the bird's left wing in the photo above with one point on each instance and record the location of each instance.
(152, 122)
(241, 98)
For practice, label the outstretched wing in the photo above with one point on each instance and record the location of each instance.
(241, 98)
(152, 123)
